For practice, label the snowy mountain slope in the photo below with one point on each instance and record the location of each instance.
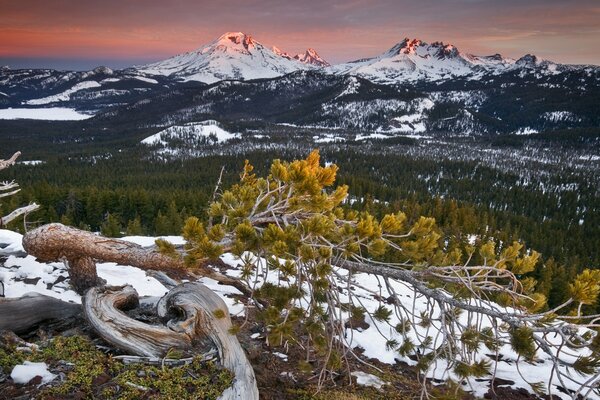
(470, 94)
(313, 98)
(413, 60)
(311, 57)
(23, 274)
(188, 139)
(234, 55)
(83, 90)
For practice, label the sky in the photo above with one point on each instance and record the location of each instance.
(82, 34)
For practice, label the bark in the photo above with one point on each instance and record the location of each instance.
(25, 313)
(104, 310)
(83, 274)
(55, 242)
(211, 316)
(195, 319)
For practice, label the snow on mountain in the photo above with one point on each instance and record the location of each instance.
(189, 138)
(234, 55)
(64, 96)
(311, 57)
(281, 53)
(48, 114)
(414, 60)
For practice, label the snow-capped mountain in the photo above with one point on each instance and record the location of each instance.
(413, 88)
(310, 56)
(413, 60)
(234, 55)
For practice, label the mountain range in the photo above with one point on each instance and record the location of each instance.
(413, 88)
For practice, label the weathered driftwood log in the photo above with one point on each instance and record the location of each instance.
(55, 242)
(104, 309)
(195, 319)
(24, 313)
(211, 316)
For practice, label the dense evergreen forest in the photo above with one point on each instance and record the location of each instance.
(129, 191)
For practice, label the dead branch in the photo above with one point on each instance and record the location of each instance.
(212, 317)
(104, 310)
(24, 313)
(55, 242)
(11, 161)
(195, 320)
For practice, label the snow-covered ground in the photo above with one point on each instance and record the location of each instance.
(64, 96)
(49, 114)
(185, 139)
(21, 274)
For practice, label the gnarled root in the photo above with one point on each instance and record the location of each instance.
(24, 313)
(205, 311)
(195, 319)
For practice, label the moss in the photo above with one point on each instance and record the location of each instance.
(92, 374)
(198, 380)
(9, 358)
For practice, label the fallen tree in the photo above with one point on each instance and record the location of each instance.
(292, 226)
(11, 188)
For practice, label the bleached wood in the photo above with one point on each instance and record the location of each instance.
(11, 161)
(195, 320)
(205, 311)
(24, 313)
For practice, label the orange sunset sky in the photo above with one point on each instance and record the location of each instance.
(118, 33)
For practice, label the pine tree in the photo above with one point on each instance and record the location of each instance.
(111, 226)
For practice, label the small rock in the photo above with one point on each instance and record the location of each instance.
(101, 380)
(36, 380)
(31, 281)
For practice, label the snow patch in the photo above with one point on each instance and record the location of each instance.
(64, 96)
(525, 131)
(23, 373)
(365, 379)
(47, 114)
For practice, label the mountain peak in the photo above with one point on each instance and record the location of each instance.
(238, 38)
(409, 45)
(234, 55)
(310, 56)
(281, 53)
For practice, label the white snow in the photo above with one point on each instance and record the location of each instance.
(23, 373)
(12, 240)
(31, 162)
(370, 340)
(144, 79)
(186, 138)
(367, 136)
(147, 241)
(64, 96)
(234, 55)
(558, 116)
(414, 60)
(525, 131)
(365, 379)
(284, 357)
(48, 114)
